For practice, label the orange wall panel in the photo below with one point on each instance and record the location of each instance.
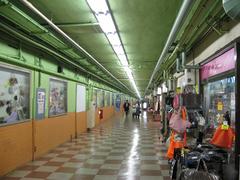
(15, 146)
(81, 122)
(97, 119)
(108, 112)
(53, 131)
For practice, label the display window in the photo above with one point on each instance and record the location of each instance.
(57, 97)
(219, 98)
(14, 95)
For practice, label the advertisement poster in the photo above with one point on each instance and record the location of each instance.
(81, 98)
(118, 102)
(40, 107)
(14, 95)
(57, 97)
(113, 98)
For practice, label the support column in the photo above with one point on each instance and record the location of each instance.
(237, 109)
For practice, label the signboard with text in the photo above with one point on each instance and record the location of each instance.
(221, 64)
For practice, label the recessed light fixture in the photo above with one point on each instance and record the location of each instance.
(105, 20)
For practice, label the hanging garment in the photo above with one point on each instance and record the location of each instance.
(178, 121)
(176, 101)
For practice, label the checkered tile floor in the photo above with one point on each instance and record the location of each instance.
(121, 148)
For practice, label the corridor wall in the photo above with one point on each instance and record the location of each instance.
(28, 139)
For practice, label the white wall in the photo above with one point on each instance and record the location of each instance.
(81, 98)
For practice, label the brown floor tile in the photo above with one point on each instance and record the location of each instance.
(82, 177)
(43, 159)
(148, 154)
(28, 167)
(166, 178)
(150, 173)
(98, 157)
(65, 155)
(116, 154)
(54, 164)
(93, 166)
(75, 149)
(65, 145)
(113, 162)
(164, 167)
(107, 172)
(104, 150)
(9, 178)
(149, 162)
(35, 174)
(56, 151)
(75, 160)
(66, 170)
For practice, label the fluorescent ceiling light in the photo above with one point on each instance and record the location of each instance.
(123, 59)
(119, 50)
(113, 39)
(106, 22)
(127, 69)
(98, 6)
(102, 14)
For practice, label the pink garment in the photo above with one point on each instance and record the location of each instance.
(178, 124)
(176, 102)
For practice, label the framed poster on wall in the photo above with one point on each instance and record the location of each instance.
(14, 95)
(113, 97)
(57, 97)
(94, 97)
(103, 99)
(81, 98)
(40, 103)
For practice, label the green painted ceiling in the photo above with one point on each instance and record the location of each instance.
(143, 28)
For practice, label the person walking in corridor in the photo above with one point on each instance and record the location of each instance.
(126, 106)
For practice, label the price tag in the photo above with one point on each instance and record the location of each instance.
(225, 125)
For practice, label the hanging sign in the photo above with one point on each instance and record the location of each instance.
(40, 100)
(219, 106)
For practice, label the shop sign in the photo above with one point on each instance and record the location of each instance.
(221, 64)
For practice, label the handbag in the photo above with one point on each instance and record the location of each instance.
(200, 173)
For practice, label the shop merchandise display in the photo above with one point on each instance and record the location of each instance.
(191, 141)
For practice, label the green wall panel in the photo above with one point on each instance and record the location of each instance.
(44, 83)
(72, 96)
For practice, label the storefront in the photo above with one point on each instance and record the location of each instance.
(219, 88)
(218, 82)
